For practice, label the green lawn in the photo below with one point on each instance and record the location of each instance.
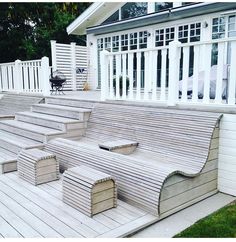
(221, 224)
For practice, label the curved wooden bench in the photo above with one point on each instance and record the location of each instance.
(174, 148)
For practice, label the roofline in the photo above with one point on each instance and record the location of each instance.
(147, 15)
(160, 17)
(86, 14)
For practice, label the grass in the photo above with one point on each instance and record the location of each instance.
(220, 224)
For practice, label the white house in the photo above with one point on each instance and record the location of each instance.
(138, 35)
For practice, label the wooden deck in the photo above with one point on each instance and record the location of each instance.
(29, 211)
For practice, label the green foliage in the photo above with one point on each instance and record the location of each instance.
(221, 224)
(27, 28)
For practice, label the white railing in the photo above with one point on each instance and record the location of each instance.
(25, 76)
(178, 73)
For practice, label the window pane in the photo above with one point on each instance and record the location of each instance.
(187, 3)
(232, 34)
(133, 41)
(113, 18)
(218, 28)
(231, 19)
(162, 6)
(231, 27)
(133, 9)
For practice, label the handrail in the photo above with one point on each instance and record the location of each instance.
(216, 41)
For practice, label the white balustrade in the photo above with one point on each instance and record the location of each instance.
(163, 74)
(195, 73)
(185, 73)
(154, 77)
(207, 72)
(202, 80)
(138, 91)
(6, 76)
(124, 76)
(174, 55)
(220, 70)
(146, 73)
(232, 75)
(131, 74)
(25, 76)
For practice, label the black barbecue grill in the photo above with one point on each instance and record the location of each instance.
(57, 81)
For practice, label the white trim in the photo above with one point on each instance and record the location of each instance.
(86, 14)
(153, 14)
(92, 10)
(229, 12)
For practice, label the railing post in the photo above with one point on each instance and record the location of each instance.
(173, 87)
(232, 75)
(104, 74)
(17, 76)
(45, 76)
(53, 54)
(73, 65)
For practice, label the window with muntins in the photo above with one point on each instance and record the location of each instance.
(218, 28)
(183, 33)
(143, 39)
(124, 42)
(195, 32)
(189, 32)
(164, 36)
(115, 43)
(107, 43)
(133, 41)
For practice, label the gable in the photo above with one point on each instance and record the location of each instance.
(96, 14)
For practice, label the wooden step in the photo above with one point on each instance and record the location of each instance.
(8, 161)
(10, 104)
(50, 121)
(31, 131)
(15, 143)
(81, 114)
(70, 102)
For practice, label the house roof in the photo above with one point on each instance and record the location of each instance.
(91, 19)
(97, 13)
(163, 16)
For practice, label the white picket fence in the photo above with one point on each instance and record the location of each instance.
(207, 84)
(25, 76)
(72, 61)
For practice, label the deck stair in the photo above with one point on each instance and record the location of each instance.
(12, 103)
(32, 129)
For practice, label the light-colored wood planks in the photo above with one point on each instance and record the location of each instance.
(37, 166)
(29, 211)
(176, 140)
(88, 190)
(12, 103)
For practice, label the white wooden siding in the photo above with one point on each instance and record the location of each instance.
(227, 155)
(67, 58)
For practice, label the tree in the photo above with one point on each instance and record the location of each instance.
(27, 28)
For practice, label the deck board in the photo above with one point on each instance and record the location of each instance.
(30, 211)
